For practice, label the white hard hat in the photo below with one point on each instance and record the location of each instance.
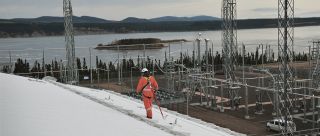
(144, 70)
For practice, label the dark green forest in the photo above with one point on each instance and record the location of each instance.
(22, 67)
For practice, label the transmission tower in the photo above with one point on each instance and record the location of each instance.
(316, 64)
(229, 45)
(285, 47)
(71, 76)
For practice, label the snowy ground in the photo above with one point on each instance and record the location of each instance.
(31, 107)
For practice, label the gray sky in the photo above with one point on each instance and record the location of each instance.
(120, 9)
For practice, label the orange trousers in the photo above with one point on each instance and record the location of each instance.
(148, 105)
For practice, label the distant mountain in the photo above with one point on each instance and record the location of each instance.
(134, 20)
(89, 19)
(174, 18)
(9, 28)
(51, 19)
(204, 18)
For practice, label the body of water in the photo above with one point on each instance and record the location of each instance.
(54, 47)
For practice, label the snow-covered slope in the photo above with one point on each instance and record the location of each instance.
(32, 107)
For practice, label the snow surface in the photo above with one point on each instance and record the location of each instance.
(30, 107)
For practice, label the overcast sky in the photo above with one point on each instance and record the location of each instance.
(120, 9)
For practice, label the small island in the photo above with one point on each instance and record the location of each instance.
(138, 44)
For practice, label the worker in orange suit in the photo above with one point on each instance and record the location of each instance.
(148, 86)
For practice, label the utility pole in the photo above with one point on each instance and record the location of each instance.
(169, 59)
(90, 68)
(207, 72)
(207, 56)
(44, 64)
(119, 76)
(221, 99)
(181, 52)
(144, 56)
(194, 56)
(98, 73)
(198, 52)
(10, 60)
(262, 80)
(245, 83)
(131, 79)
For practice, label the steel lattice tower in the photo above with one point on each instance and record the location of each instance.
(316, 64)
(285, 52)
(72, 76)
(229, 37)
(229, 43)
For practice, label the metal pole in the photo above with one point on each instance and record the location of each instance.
(90, 68)
(194, 56)
(257, 56)
(52, 74)
(131, 80)
(44, 64)
(243, 53)
(221, 100)
(61, 70)
(212, 60)
(244, 82)
(179, 79)
(262, 59)
(119, 76)
(246, 101)
(270, 53)
(169, 52)
(65, 73)
(262, 85)
(259, 101)
(181, 53)
(214, 82)
(108, 78)
(304, 103)
(207, 57)
(310, 72)
(98, 70)
(11, 71)
(199, 57)
(313, 112)
(188, 88)
(188, 101)
(310, 58)
(121, 69)
(207, 72)
(144, 56)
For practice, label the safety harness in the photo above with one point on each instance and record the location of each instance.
(148, 83)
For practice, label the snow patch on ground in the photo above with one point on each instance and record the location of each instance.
(174, 123)
(32, 107)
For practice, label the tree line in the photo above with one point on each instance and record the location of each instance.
(129, 66)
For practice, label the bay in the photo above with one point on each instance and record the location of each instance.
(32, 49)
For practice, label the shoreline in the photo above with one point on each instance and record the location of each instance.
(136, 32)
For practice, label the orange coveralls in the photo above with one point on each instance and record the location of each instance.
(147, 92)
